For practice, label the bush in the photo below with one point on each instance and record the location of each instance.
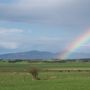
(34, 72)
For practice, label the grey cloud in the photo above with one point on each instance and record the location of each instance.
(60, 12)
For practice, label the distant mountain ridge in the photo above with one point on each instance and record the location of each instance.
(41, 55)
(28, 55)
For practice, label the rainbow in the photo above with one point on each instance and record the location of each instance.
(75, 45)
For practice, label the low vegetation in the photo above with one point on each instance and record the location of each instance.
(46, 76)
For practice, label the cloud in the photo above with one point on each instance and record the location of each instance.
(61, 12)
(8, 45)
(9, 37)
(10, 30)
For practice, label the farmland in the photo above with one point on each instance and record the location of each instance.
(59, 76)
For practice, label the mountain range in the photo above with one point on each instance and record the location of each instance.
(41, 55)
(29, 55)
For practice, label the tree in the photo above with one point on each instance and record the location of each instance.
(34, 72)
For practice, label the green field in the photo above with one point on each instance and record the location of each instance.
(22, 66)
(16, 76)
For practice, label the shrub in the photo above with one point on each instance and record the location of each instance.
(34, 72)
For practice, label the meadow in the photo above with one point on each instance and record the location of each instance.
(54, 76)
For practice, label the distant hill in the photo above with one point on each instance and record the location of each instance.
(28, 55)
(41, 55)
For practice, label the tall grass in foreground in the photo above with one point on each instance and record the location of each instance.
(55, 81)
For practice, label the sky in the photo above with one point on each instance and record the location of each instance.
(45, 25)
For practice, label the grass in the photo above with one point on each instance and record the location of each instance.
(55, 81)
(23, 66)
(19, 80)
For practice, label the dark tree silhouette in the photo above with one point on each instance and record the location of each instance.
(34, 72)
